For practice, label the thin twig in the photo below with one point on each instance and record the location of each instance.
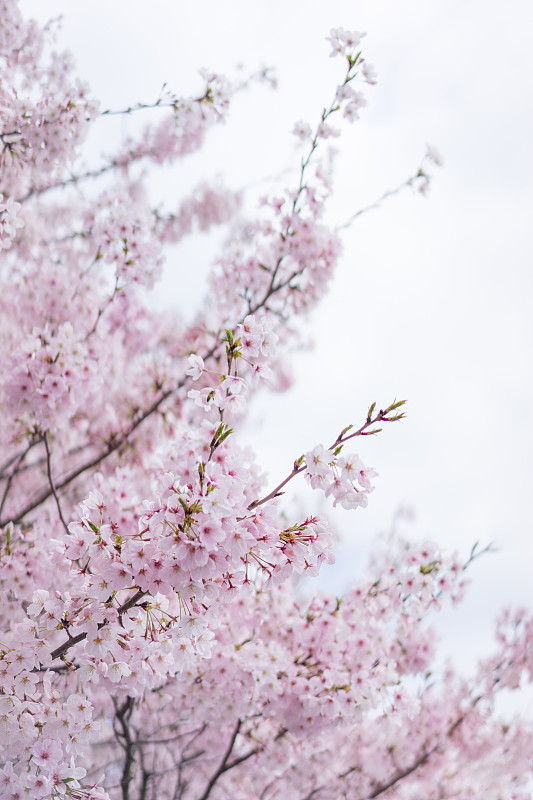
(51, 481)
(223, 764)
(419, 174)
(60, 651)
(18, 461)
(299, 467)
(8, 463)
(74, 179)
(424, 757)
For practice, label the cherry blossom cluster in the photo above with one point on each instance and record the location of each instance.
(292, 685)
(50, 373)
(183, 130)
(41, 736)
(248, 360)
(207, 206)
(127, 242)
(44, 113)
(346, 479)
(423, 177)
(293, 255)
(347, 43)
(308, 672)
(286, 269)
(9, 221)
(196, 537)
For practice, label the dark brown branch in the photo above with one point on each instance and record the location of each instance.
(114, 445)
(39, 462)
(60, 651)
(224, 763)
(145, 776)
(123, 715)
(383, 787)
(242, 758)
(18, 461)
(11, 460)
(51, 481)
(380, 788)
(401, 774)
(173, 727)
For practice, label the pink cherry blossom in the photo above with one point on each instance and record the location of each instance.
(47, 753)
(196, 366)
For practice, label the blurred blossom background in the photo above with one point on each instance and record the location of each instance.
(432, 300)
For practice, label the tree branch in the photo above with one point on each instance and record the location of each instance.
(381, 416)
(377, 203)
(383, 787)
(74, 179)
(224, 763)
(123, 715)
(114, 445)
(60, 651)
(18, 461)
(51, 481)
(401, 774)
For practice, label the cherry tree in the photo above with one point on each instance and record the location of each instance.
(158, 636)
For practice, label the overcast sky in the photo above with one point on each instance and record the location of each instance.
(433, 297)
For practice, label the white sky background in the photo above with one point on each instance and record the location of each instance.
(432, 300)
